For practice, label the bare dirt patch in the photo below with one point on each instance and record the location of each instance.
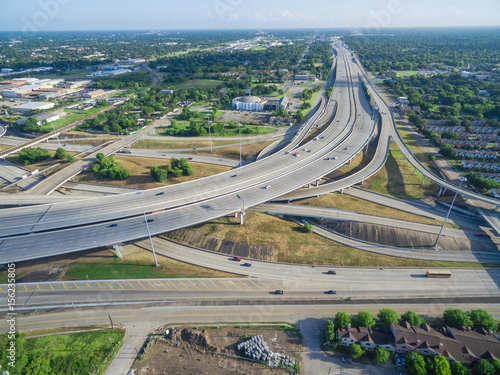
(214, 351)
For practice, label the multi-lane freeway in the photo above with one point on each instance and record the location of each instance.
(71, 226)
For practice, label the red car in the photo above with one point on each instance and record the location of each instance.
(237, 259)
(190, 158)
(480, 234)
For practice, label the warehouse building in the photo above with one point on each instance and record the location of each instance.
(49, 117)
(33, 106)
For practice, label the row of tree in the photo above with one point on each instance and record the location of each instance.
(107, 167)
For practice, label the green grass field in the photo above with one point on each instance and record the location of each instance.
(227, 133)
(78, 353)
(198, 84)
(74, 116)
(404, 73)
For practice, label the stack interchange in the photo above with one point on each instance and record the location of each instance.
(256, 348)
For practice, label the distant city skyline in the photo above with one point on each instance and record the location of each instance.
(45, 15)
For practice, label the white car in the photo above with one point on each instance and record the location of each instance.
(268, 186)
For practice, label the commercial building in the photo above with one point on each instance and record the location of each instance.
(94, 94)
(302, 77)
(49, 117)
(168, 92)
(249, 102)
(33, 106)
(275, 104)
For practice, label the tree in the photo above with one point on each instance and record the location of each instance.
(438, 365)
(330, 331)
(308, 228)
(381, 355)
(388, 316)
(342, 320)
(456, 318)
(159, 175)
(448, 151)
(496, 365)
(60, 153)
(458, 369)
(415, 364)
(356, 351)
(30, 125)
(412, 318)
(70, 158)
(365, 319)
(484, 367)
(481, 319)
(39, 366)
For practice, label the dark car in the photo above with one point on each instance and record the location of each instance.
(279, 291)
(234, 175)
(190, 158)
(160, 193)
(247, 265)
(480, 234)
(112, 225)
(346, 359)
(332, 272)
(331, 292)
(150, 220)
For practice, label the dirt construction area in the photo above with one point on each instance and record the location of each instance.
(214, 351)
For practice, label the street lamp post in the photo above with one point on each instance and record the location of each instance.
(209, 132)
(239, 128)
(139, 194)
(54, 129)
(462, 179)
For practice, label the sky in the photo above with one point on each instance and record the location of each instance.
(45, 15)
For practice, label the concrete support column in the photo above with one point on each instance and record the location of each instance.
(414, 170)
(407, 162)
(241, 218)
(341, 191)
(428, 181)
(350, 161)
(308, 186)
(444, 191)
(118, 249)
(236, 215)
(366, 151)
(423, 182)
(317, 183)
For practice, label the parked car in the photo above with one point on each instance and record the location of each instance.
(237, 259)
(347, 359)
(398, 361)
(403, 360)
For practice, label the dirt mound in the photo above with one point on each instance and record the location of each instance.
(197, 340)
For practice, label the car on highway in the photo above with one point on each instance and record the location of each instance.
(160, 193)
(303, 220)
(190, 158)
(304, 149)
(237, 259)
(346, 359)
(480, 234)
(234, 175)
(150, 220)
(278, 291)
(315, 139)
(112, 225)
(164, 155)
(267, 186)
(247, 265)
(296, 154)
(333, 157)
(331, 292)
(332, 272)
